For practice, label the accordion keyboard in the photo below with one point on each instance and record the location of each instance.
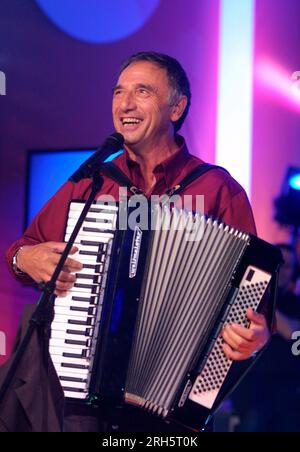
(76, 316)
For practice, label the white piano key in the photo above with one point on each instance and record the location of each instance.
(102, 216)
(72, 361)
(63, 335)
(101, 225)
(66, 310)
(57, 342)
(85, 259)
(70, 374)
(81, 373)
(69, 322)
(78, 206)
(95, 289)
(68, 303)
(83, 235)
(88, 271)
(59, 351)
(74, 384)
(63, 326)
(76, 395)
(70, 297)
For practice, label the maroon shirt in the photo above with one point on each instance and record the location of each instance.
(224, 198)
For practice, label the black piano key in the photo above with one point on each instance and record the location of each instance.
(91, 220)
(74, 379)
(89, 311)
(66, 388)
(74, 342)
(94, 278)
(100, 230)
(87, 299)
(93, 243)
(97, 220)
(86, 286)
(96, 267)
(74, 366)
(88, 321)
(88, 253)
(83, 354)
(84, 276)
(93, 301)
(99, 210)
(79, 309)
(86, 332)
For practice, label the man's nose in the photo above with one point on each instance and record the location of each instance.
(128, 101)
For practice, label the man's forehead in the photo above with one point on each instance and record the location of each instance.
(143, 71)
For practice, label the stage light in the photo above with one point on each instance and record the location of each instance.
(287, 204)
(279, 83)
(294, 182)
(235, 97)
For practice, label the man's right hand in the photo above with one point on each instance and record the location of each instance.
(39, 262)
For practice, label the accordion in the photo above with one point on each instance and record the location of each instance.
(142, 323)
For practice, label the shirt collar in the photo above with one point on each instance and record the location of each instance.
(169, 169)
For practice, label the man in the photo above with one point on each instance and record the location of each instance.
(150, 103)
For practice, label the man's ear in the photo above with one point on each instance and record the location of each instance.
(178, 108)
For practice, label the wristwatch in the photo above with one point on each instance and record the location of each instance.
(14, 263)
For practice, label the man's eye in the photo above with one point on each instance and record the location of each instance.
(142, 91)
(117, 92)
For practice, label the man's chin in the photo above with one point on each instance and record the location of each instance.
(131, 140)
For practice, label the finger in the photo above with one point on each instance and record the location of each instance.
(235, 341)
(66, 277)
(234, 355)
(64, 285)
(255, 317)
(61, 293)
(59, 247)
(245, 333)
(73, 265)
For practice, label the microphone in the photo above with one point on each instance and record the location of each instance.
(111, 145)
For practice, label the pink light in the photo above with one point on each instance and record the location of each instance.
(280, 83)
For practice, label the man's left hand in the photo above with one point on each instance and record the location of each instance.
(240, 342)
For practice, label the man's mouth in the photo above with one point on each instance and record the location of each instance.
(130, 121)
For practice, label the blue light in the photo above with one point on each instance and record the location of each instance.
(49, 170)
(113, 156)
(98, 21)
(294, 182)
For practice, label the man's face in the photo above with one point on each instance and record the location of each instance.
(141, 105)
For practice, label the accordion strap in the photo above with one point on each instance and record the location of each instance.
(113, 172)
(192, 176)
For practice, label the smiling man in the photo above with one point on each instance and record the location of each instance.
(150, 103)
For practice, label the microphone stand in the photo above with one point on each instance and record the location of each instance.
(43, 315)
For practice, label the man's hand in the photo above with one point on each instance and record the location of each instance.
(39, 262)
(240, 342)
